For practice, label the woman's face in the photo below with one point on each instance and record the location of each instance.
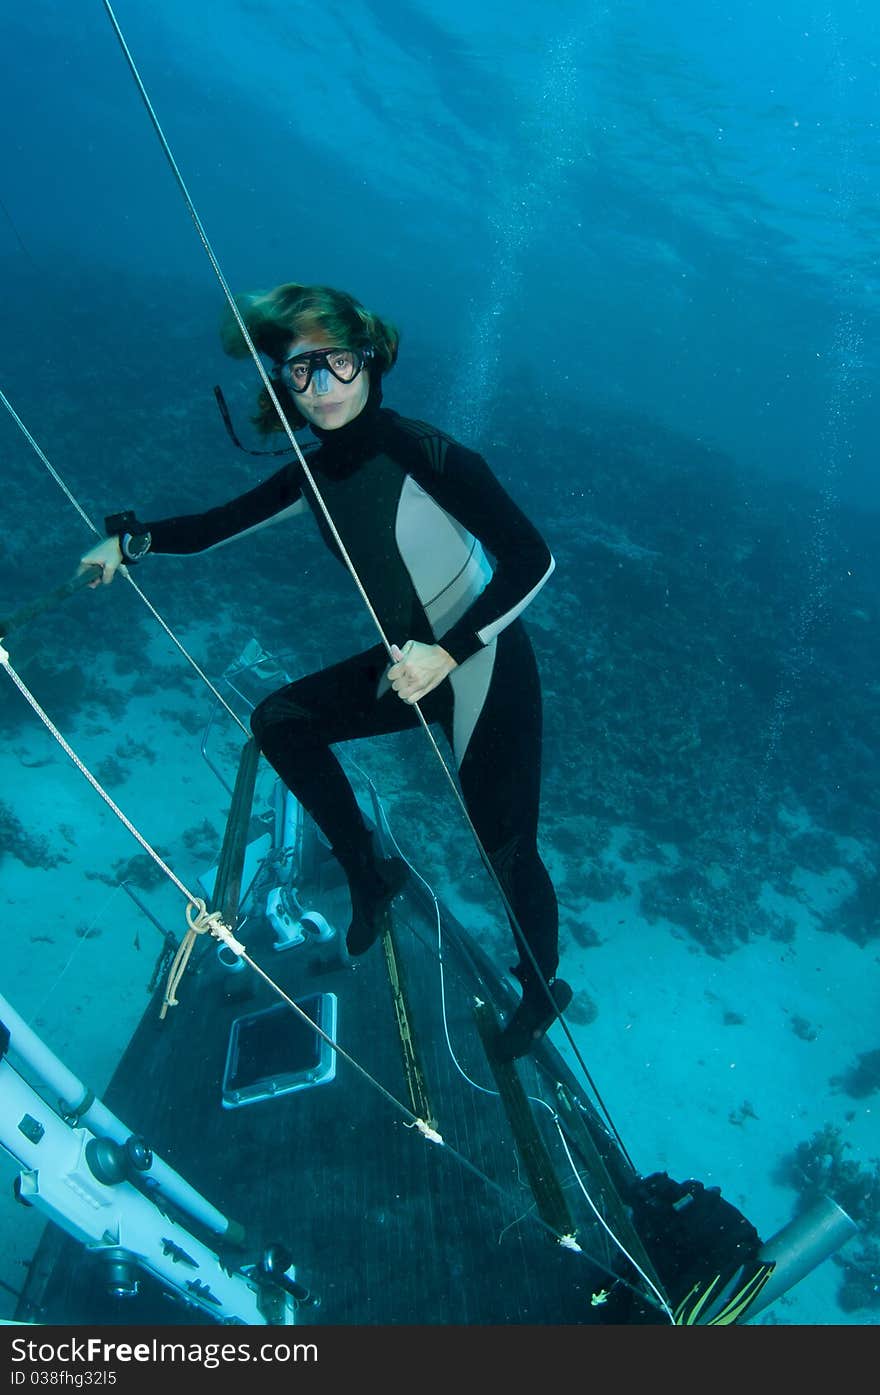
(327, 402)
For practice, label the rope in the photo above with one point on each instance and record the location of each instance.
(96, 785)
(429, 1132)
(201, 921)
(522, 942)
(198, 924)
(26, 613)
(186, 654)
(52, 471)
(569, 1242)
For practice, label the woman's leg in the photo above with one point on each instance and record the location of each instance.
(501, 779)
(295, 728)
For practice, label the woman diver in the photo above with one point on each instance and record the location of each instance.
(414, 511)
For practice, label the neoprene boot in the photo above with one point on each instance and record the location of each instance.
(373, 884)
(538, 1010)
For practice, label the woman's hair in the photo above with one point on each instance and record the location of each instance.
(275, 318)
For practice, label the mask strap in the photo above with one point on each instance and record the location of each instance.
(227, 422)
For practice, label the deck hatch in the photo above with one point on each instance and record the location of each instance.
(273, 1052)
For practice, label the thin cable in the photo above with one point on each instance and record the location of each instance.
(96, 785)
(189, 658)
(605, 1226)
(4, 400)
(414, 1121)
(487, 1090)
(219, 930)
(48, 464)
(565, 1241)
(522, 942)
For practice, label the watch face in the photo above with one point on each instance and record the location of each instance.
(137, 545)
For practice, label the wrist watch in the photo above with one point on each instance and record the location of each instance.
(134, 546)
(134, 540)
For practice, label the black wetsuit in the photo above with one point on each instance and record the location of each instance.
(414, 511)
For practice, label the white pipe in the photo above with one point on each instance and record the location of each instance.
(70, 1094)
(57, 1180)
(800, 1246)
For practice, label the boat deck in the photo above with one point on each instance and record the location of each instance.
(383, 1225)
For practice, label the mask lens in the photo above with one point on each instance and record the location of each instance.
(344, 364)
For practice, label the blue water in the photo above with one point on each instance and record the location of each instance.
(632, 250)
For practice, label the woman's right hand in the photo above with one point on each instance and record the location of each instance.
(108, 556)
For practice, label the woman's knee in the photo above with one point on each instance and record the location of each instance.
(277, 718)
(259, 722)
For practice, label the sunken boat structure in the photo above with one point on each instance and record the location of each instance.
(293, 1136)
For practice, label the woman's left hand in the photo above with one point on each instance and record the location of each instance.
(418, 669)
